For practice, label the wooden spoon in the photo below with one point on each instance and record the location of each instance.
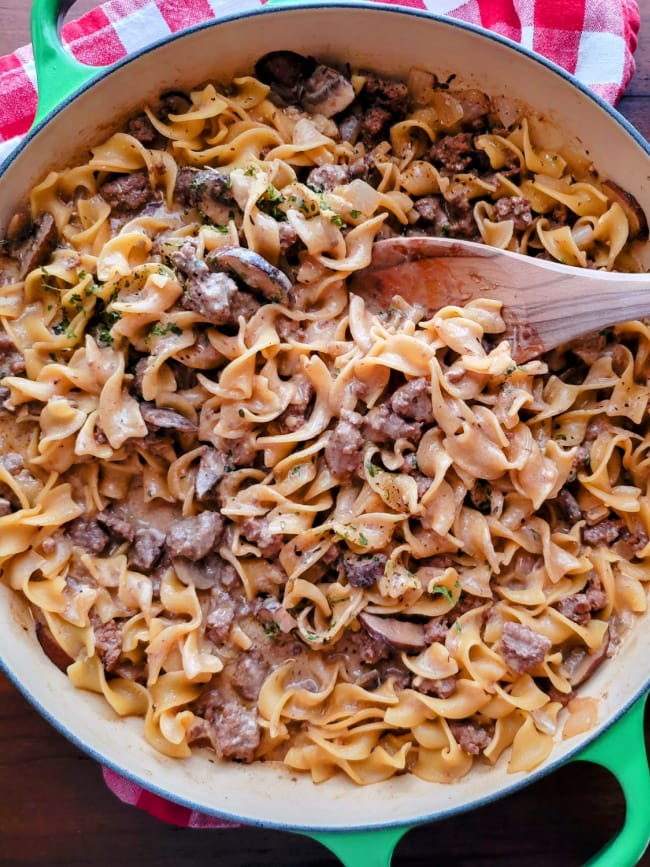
(545, 303)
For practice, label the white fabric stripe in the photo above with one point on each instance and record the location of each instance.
(442, 7)
(26, 57)
(601, 58)
(228, 7)
(6, 147)
(141, 27)
(527, 34)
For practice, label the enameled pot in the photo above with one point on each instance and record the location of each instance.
(78, 107)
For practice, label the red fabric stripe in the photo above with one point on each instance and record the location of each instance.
(564, 16)
(502, 17)
(93, 39)
(18, 103)
(631, 23)
(165, 810)
(557, 32)
(179, 14)
(8, 63)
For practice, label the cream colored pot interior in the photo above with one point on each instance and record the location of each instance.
(389, 42)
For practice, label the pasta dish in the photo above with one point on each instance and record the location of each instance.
(271, 522)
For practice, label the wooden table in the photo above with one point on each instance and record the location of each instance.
(55, 810)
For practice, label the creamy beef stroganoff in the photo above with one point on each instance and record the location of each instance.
(268, 521)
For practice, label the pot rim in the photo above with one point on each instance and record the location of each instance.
(549, 767)
(419, 817)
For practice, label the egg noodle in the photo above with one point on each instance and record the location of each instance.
(269, 521)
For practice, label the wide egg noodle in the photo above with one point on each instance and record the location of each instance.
(132, 396)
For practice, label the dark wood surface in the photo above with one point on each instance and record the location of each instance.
(55, 810)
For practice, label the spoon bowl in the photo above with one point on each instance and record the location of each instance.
(545, 303)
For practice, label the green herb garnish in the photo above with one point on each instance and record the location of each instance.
(162, 330)
(441, 590)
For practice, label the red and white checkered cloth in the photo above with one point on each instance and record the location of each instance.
(594, 40)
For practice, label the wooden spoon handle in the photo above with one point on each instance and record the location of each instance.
(544, 303)
(570, 308)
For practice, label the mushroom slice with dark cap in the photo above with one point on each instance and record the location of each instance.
(31, 242)
(161, 418)
(327, 92)
(285, 72)
(253, 270)
(631, 208)
(579, 664)
(402, 634)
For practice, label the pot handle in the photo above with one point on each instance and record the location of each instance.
(621, 750)
(362, 848)
(58, 74)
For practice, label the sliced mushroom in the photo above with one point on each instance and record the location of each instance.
(174, 102)
(51, 647)
(159, 418)
(19, 227)
(285, 72)
(632, 209)
(578, 665)
(254, 270)
(201, 355)
(402, 634)
(327, 92)
(32, 242)
(202, 574)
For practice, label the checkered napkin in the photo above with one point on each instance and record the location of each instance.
(593, 39)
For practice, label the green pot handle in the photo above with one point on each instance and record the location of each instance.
(58, 74)
(621, 750)
(362, 848)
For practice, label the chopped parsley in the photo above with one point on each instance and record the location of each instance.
(77, 301)
(62, 326)
(271, 629)
(110, 317)
(441, 590)
(162, 330)
(274, 195)
(371, 468)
